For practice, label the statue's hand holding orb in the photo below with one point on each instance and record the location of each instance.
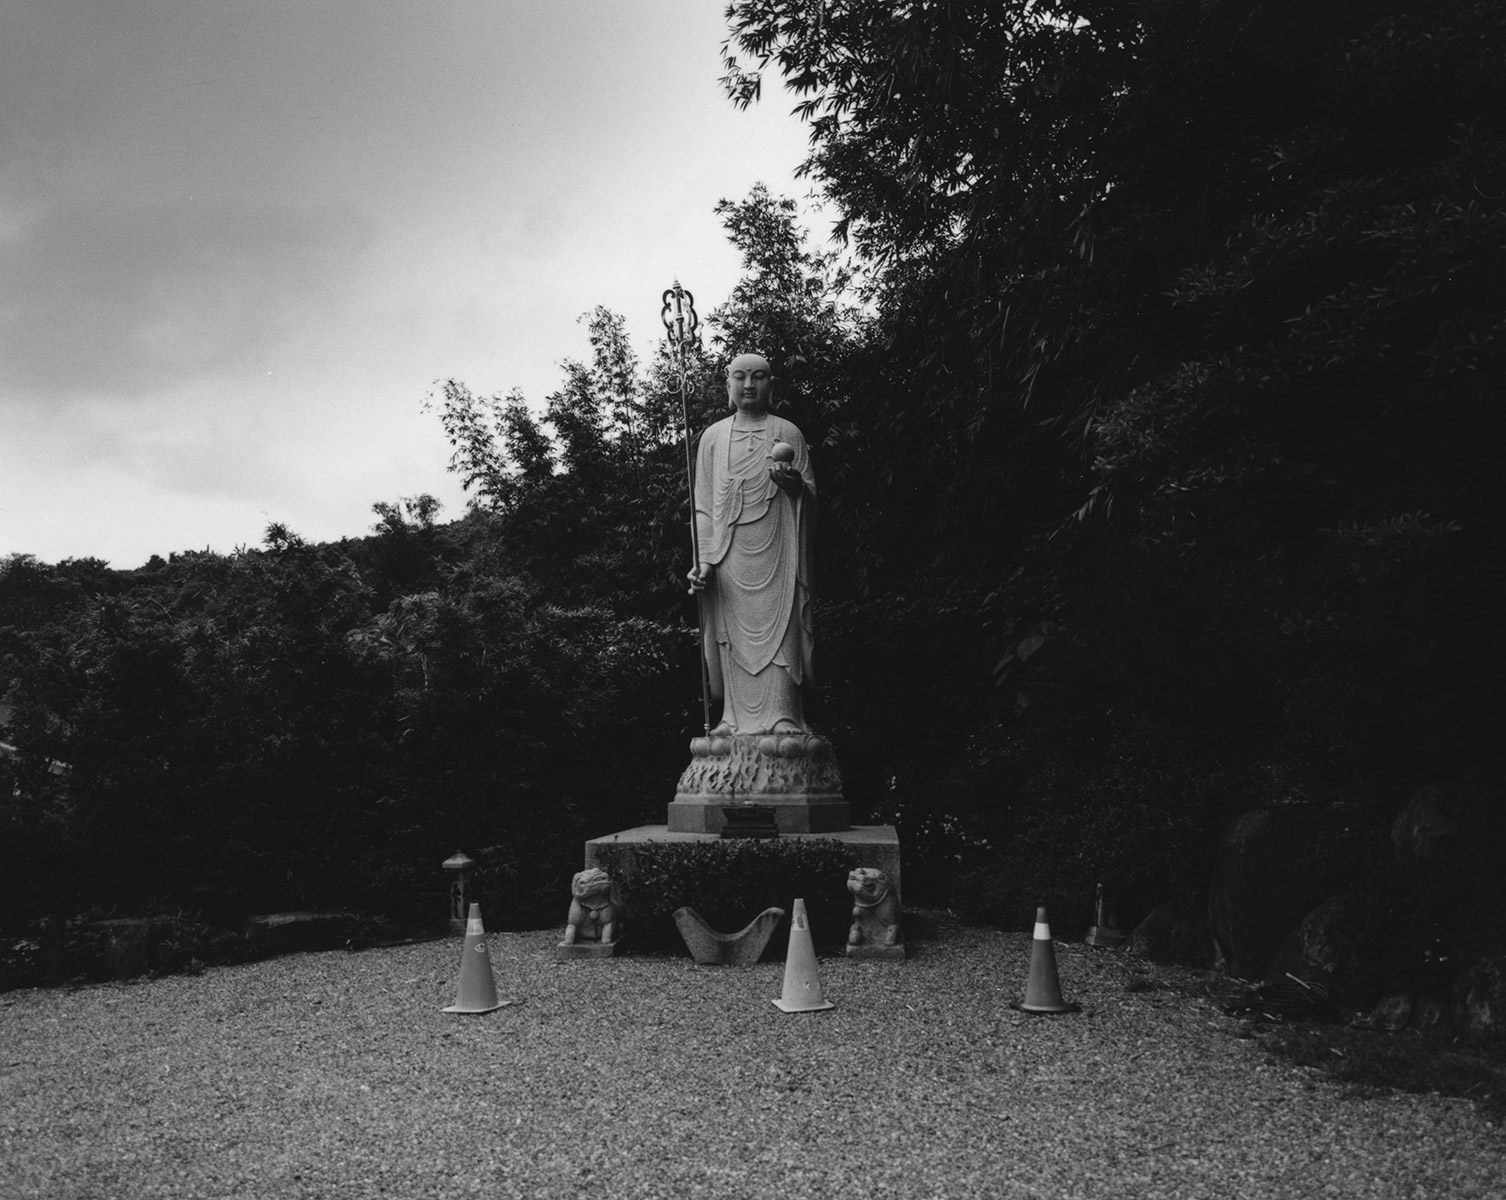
(781, 458)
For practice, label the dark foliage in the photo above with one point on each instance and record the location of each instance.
(1192, 313)
(258, 731)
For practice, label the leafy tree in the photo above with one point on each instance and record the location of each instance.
(1191, 311)
(528, 446)
(408, 549)
(473, 426)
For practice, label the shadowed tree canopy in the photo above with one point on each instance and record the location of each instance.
(1193, 315)
(1065, 204)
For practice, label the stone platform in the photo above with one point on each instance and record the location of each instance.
(570, 951)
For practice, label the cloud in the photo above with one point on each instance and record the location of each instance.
(122, 301)
(239, 242)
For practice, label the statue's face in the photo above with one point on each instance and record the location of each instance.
(749, 383)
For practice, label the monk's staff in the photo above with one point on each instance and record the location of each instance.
(681, 324)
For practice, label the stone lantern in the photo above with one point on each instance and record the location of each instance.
(459, 865)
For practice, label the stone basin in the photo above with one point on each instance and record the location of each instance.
(713, 949)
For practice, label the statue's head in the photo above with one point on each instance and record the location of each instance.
(868, 885)
(590, 884)
(750, 383)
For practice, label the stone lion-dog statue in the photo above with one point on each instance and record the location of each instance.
(593, 916)
(875, 908)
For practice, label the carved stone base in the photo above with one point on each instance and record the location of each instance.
(570, 951)
(884, 953)
(794, 773)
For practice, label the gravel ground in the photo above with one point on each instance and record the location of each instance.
(337, 1075)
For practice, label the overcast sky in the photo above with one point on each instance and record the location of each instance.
(240, 240)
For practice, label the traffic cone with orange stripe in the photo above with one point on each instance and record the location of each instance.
(1043, 991)
(802, 983)
(478, 990)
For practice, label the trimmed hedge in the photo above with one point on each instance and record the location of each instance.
(729, 882)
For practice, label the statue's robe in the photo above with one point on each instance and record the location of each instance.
(757, 638)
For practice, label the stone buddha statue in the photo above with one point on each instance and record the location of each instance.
(755, 499)
(755, 496)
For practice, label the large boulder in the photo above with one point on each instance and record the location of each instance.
(1393, 1012)
(1427, 840)
(1479, 1007)
(1174, 933)
(1420, 1012)
(1448, 846)
(1359, 947)
(1273, 866)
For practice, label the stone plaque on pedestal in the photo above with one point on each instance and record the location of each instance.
(749, 820)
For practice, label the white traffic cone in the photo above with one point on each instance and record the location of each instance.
(1043, 991)
(478, 990)
(802, 982)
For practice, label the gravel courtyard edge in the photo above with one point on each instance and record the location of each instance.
(336, 1074)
